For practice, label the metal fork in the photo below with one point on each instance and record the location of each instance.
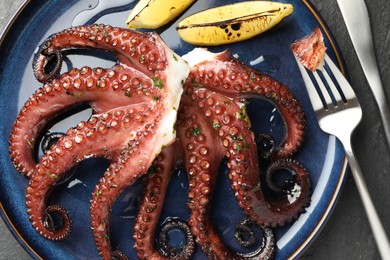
(338, 113)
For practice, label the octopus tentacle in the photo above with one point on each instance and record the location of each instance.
(131, 164)
(159, 175)
(266, 210)
(134, 161)
(202, 157)
(88, 139)
(213, 86)
(132, 48)
(232, 125)
(97, 87)
(151, 205)
(226, 75)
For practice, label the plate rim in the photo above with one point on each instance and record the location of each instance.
(332, 202)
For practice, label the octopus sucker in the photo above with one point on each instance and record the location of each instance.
(152, 111)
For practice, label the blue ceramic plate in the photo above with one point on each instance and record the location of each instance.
(321, 154)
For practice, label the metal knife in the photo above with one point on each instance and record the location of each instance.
(356, 18)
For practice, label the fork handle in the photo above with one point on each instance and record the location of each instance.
(376, 225)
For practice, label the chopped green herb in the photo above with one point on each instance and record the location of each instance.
(257, 187)
(152, 170)
(239, 147)
(158, 82)
(196, 131)
(242, 114)
(174, 57)
(51, 175)
(113, 186)
(106, 34)
(31, 143)
(128, 94)
(195, 84)
(156, 98)
(216, 125)
(105, 236)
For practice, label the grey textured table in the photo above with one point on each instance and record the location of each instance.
(347, 234)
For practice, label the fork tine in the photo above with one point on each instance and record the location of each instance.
(315, 99)
(343, 83)
(335, 92)
(324, 91)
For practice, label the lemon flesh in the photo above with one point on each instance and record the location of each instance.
(232, 23)
(151, 14)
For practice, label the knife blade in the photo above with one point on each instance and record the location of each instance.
(357, 20)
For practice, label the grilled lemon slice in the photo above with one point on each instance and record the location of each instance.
(232, 23)
(152, 14)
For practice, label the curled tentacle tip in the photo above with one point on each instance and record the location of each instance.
(62, 230)
(47, 65)
(50, 139)
(244, 234)
(296, 185)
(265, 251)
(184, 252)
(266, 146)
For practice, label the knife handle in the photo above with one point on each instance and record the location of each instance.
(377, 228)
